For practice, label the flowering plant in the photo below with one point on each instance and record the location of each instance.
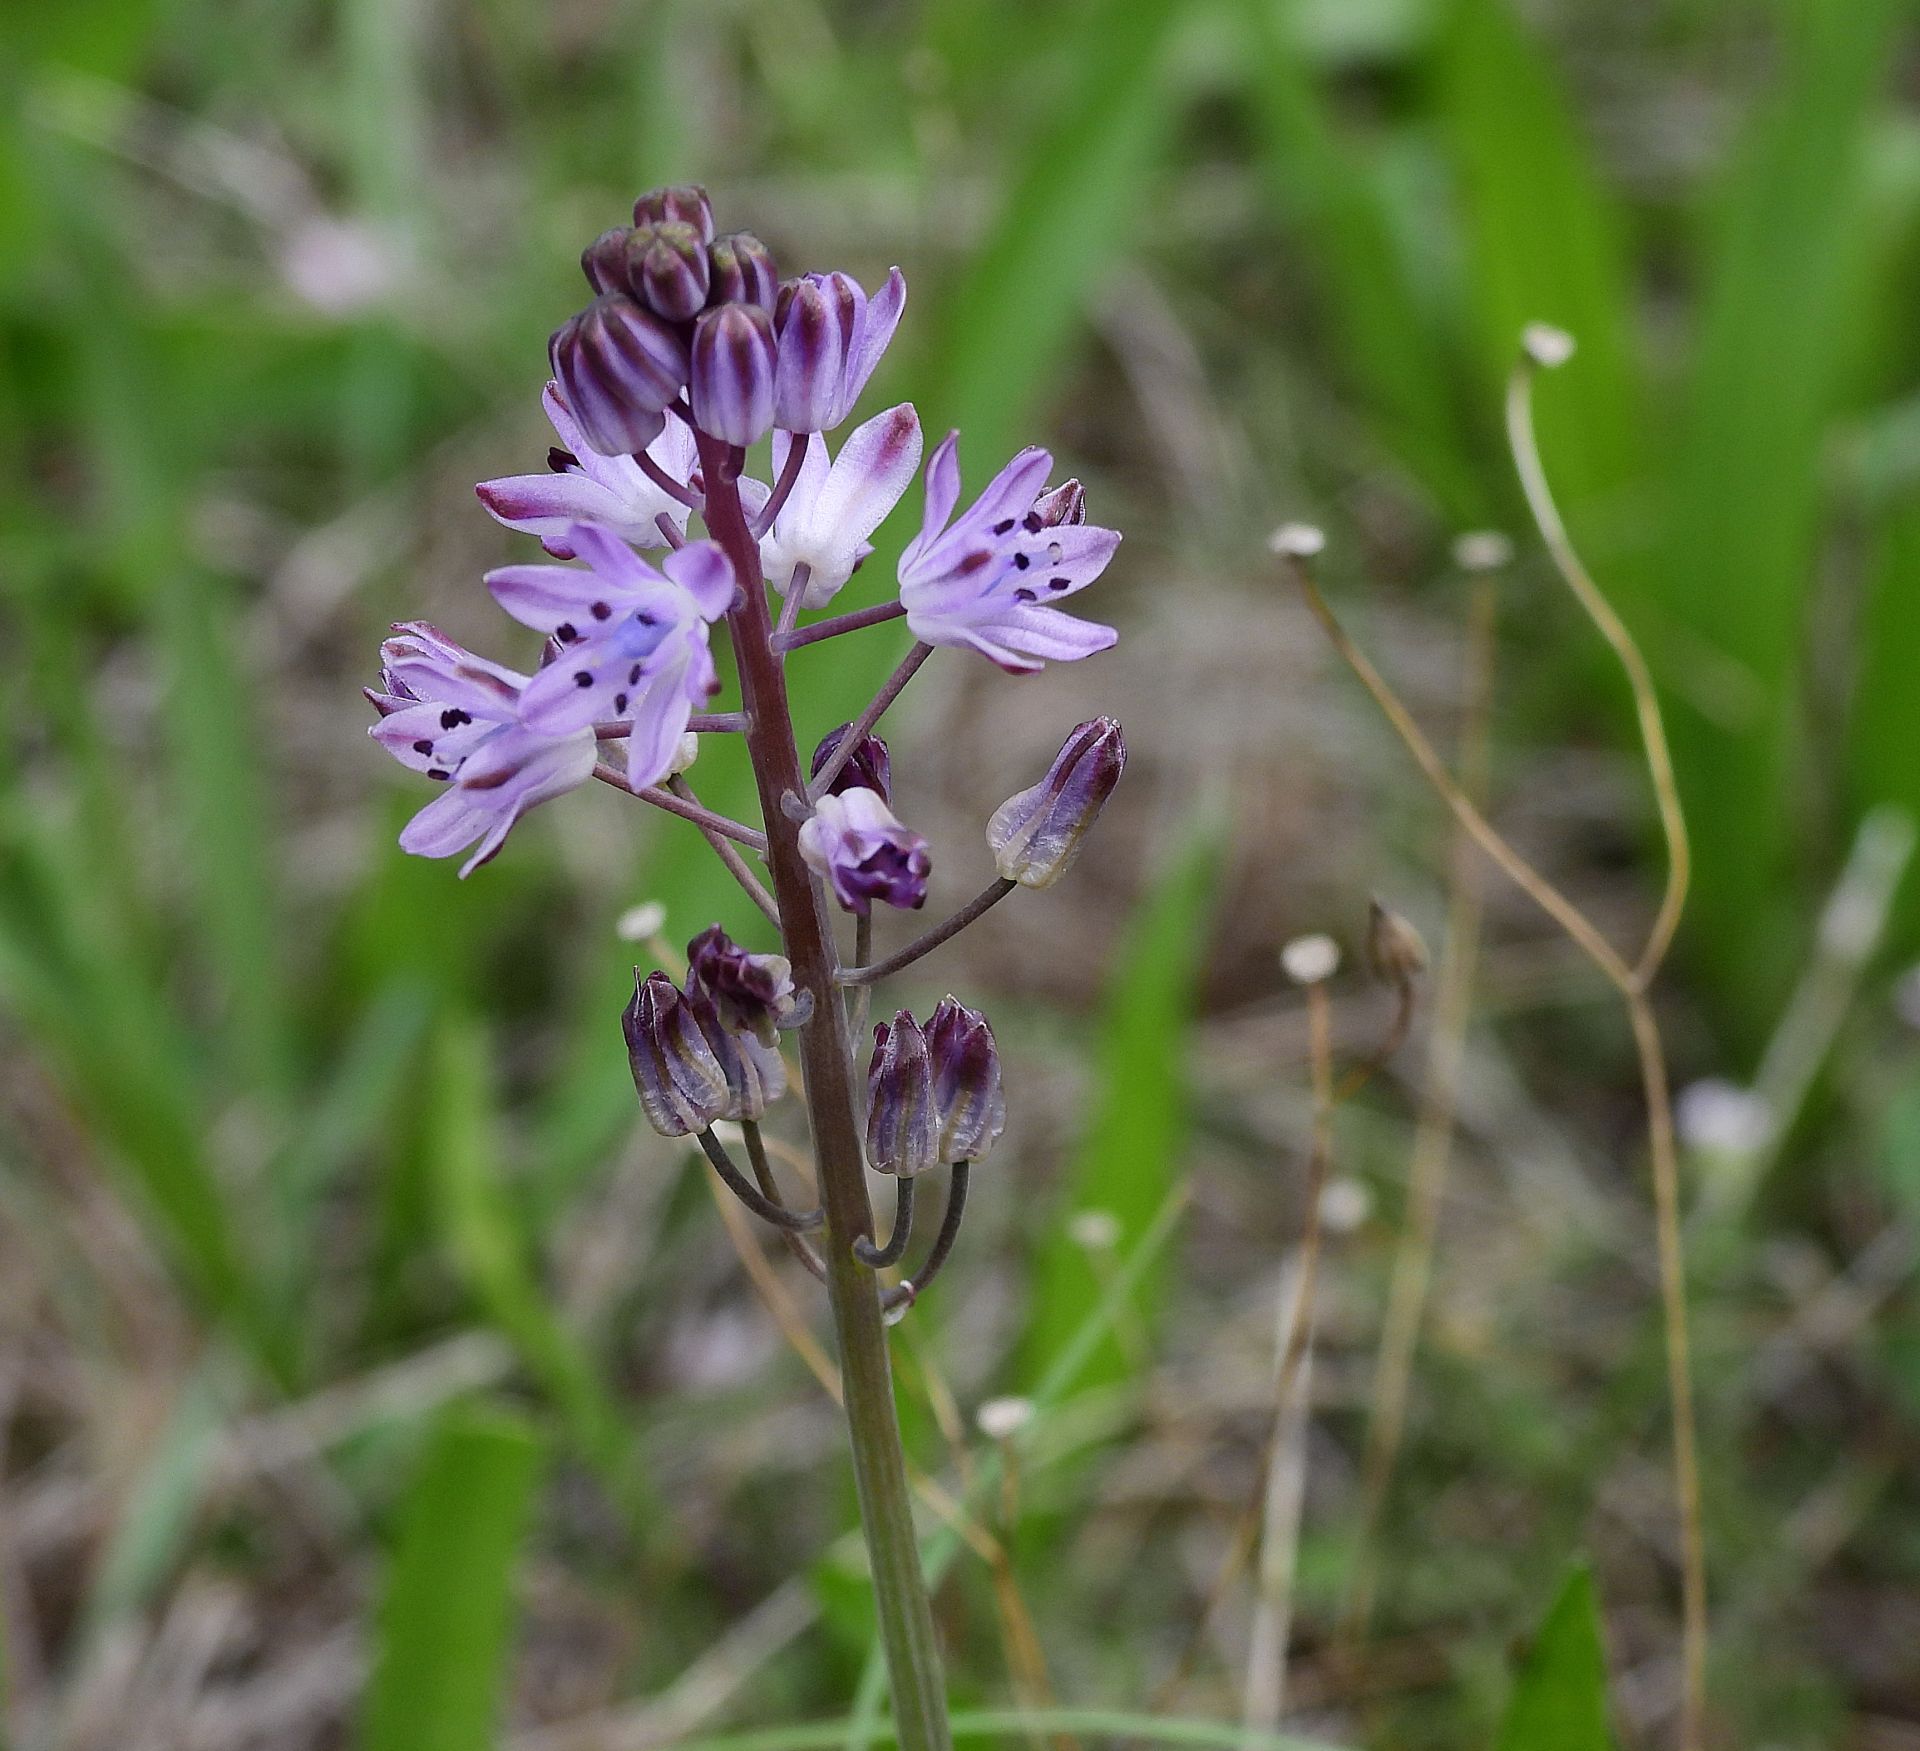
(691, 352)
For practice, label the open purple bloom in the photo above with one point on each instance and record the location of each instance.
(583, 486)
(835, 506)
(989, 581)
(865, 853)
(831, 337)
(455, 717)
(632, 641)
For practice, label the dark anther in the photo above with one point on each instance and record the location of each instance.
(560, 461)
(601, 611)
(453, 717)
(566, 632)
(879, 1257)
(1032, 523)
(1021, 561)
(423, 747)
(582, 678)
(619, 703)
(1003, 526)
(1023, 594)
(435, 772)
(633, 676)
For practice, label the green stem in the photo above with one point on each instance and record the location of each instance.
(826, 1060)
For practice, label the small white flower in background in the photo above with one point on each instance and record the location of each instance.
(1310, 960)
(1717, 1117)
(1344, 1206)
(1000, 1419)
(1094, 1230)
(638, 923)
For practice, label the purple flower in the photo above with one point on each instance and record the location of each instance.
(456, 717)
(833, 508)
(682, 1086)
(754, 1075)
(632, 641)
(732, 373)
(1035, 835)
(987, 582)
(865, 854)
(667, 269)
(831, 338)
(584, 486)
(969, 1107)
(868, 767)
(753, 994)
(619, 367)
(902, 1127)
(742, 272)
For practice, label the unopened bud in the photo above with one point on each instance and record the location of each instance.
(618, 366)
(1396, 954)
(969, 1105)
(732, 373)
(902, 1134)
(753, 994)
(742, 271)
(604, 260)
(667, 270)
(682, 1086)
(1036, 834)
(817, 320)
(681, 204)
(868, 767)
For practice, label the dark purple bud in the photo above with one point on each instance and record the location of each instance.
(856, 843)
(1066, 503)
(902, 1126)
(817, 322)
(666, 269)
(743, 271)
(1035, 836)
(683, 204)
(618, 366)
(753, 1073)
(970, 1109)
(732, 373)
(604, 260)
(753, 994)
(868, 767)
(682, 1084)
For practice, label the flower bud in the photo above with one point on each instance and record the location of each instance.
(817, 320)
(683, 204)
(666, 268)
(969, 1107)
(1066, 503)
(604, 260)
(618, 366)
(1395, 952)
(682, 1085)
(902, 1131)
(868, 767)
(753, 994)
(733, 373)
(865, 853)
(742, 271)
(1035, 836)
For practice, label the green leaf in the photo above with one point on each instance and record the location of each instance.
(1129, 1156)
(440, 1661)
(1559, 1700)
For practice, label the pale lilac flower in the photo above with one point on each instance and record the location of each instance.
(631, 641)
(456, 717)
(865, 853)
(831, 338)
(583, 486)
(834, 507)
(988, 582)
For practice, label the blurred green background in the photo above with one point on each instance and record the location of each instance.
(367, 1377)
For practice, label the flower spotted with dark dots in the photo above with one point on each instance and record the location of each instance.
(581, 485)
(752, 993)
(865, 853)
(456, 717)
(990, 579)
(868, 767)
(1036, 834)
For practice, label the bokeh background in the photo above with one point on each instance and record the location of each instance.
(367, 1374)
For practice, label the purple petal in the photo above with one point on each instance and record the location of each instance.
(942, 494)
(659, 716)
(551, 597)
(873, 469)
(702, 569)
(877, 323)
(599, 679)
(431, 737)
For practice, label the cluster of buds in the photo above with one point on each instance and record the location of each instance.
(658, 535)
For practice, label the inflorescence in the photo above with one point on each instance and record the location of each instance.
(691, 352)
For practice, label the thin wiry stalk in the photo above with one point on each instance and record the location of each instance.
(723, 848)
(1646, 702)
(769, 1209)
(787, 639)
(1631, 982)
(858, 730)
(879, 1257)
(990, 896)
(801, 1248)
(1433, 1132)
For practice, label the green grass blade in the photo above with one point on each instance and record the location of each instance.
(1884, 729)
(1129, 1157)
(1018, 1725)
(1783, 289)
(1559, 1700)
(441, 1659)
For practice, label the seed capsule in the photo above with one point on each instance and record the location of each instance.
(970, 1107)
(682, 1085)
(1036, 834)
